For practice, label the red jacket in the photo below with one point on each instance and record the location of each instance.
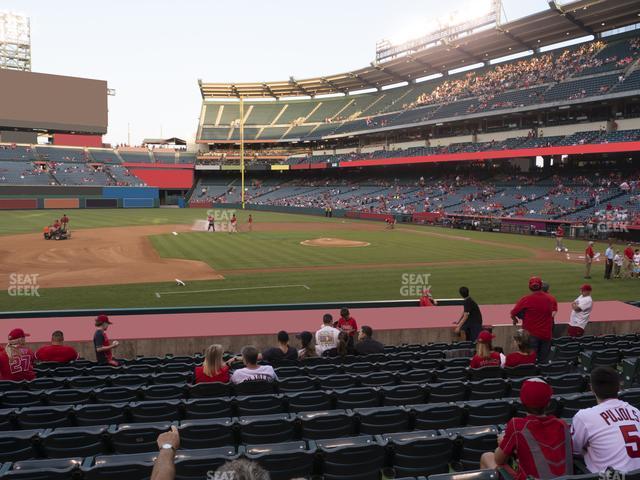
(535, 310)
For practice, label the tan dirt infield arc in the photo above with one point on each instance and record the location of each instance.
(125, 255)
(333, 242)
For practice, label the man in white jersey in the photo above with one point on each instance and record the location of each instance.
(580, 312)
(327, 336)
(608, 435)
(251, 370)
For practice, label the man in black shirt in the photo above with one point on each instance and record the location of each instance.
(470, 321)
(283, 351)
(366, 344)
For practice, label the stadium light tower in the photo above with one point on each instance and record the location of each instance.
(242, 149)
(15, 41)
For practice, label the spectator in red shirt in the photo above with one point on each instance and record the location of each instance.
(213, 369)
(541, 442)
(627, 262)
(523, 355)
(536, 312)
(588, 260)
(348, 324)
(485, 356)
(16, 360)
(427, 300)
(57, 351)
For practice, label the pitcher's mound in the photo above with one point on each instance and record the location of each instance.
(333, 242)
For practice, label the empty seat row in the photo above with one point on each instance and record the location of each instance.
(406, 372)
(415, 388)
(367, 457)
(402, 455)
(209, 424)
(96, 381)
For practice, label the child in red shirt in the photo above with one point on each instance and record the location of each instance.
(541, 442)
(485, 356)
(213, 369)
(347, 323)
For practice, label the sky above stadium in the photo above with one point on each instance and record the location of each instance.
(152, 52)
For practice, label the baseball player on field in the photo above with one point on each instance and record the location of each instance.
(559, 239)
(608, 435)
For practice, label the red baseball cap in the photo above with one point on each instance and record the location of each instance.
(17, 333)
(535, 283)
(535, 393)
(100, 319)
(485, 336)
(586, 287)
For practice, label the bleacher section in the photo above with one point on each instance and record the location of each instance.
(123, 177)
(79, 174)
(416, 409)
(62, 154)
(135, 157)
(164, 157)
(103, 155)
(578, 138)
(23, 173)
(16, 153)
(584, 71)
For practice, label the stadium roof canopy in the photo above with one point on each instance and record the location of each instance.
(553, 25)
(164, 141)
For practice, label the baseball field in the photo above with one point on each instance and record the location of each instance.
(132, 258)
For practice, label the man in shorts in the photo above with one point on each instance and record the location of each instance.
(470, 322)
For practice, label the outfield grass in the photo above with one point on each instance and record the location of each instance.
(283, 249)
(452, 263)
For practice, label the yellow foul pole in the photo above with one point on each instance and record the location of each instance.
(242, 148)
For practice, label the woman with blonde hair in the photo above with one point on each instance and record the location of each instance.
(16, 360)
(485, 355)
(524, 355)
(213, 368)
